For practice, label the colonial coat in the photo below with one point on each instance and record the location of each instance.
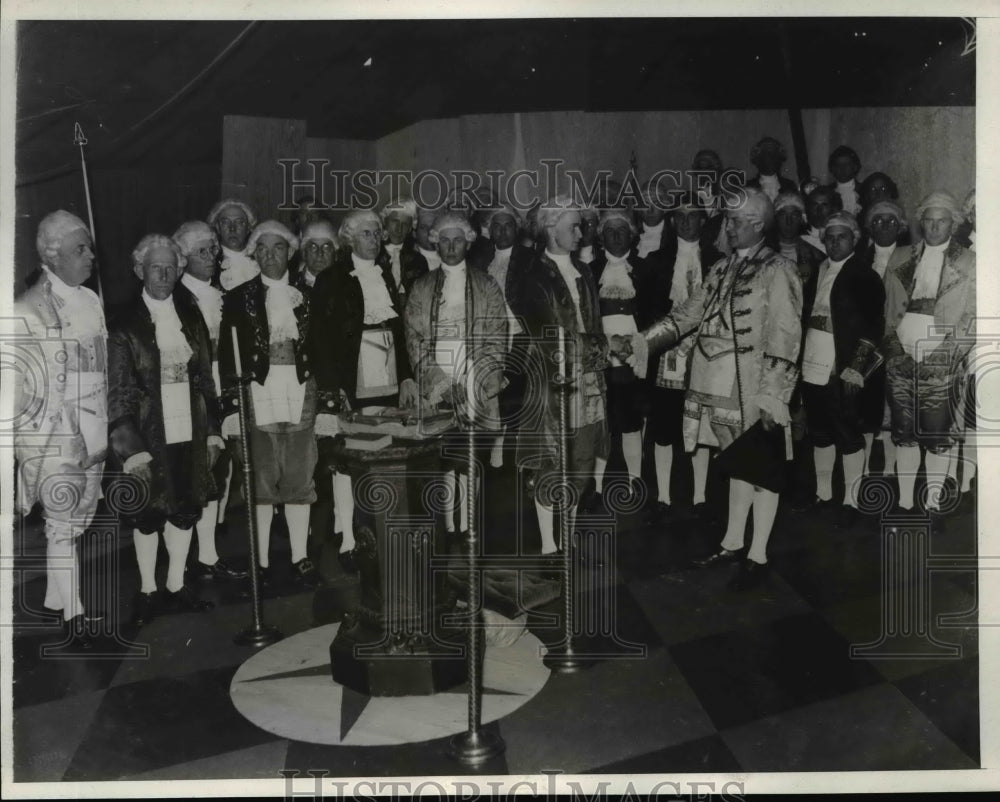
(412, 264)
(244, 308)
(922, 398)
(545, 303)
(48, 443)
(857, 308)
(750, 309)
(954, 307)
(135, 409)
(337, 320)
(486, 335)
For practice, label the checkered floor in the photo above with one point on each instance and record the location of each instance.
(757, 681)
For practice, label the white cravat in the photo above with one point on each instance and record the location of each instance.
(616, 279)
(453, 291)
(378, 303)
(237, 268)
(770, 185)
(812, 237)
(81, 313)
(433, 258)
(570, 274)
(828, 273)
(649, 239)
(882, 255)
(397, 269)
(280, 303)
(586, 254)
(170, 340)
(928, 272)
(972, 240)
(849, 197)
(687, 270)
(209, 302)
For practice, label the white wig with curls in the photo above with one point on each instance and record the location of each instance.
(451, 220)
(222, 205)
(350, 224)
(549, 213)
(150, 241)
(276, 228)
(756, 207)
(610, 216)
(404, 207)
(191, 232)
(51, 231)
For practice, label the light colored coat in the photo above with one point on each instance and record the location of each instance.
(54, 465)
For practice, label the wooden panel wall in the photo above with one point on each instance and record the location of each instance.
(251, 150)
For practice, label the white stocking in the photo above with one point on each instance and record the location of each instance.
(600, 464)
(936, 467)
(62, 590)
(206, 533)
(740, 500)
(496, 453)
(969, 460)
(663, 458)
(632, 448)
(890, 454)
(146, 547)
(765, 506)
(343, 499)
(545, 516)
(297, 516)
(700, 463)
(178, 543)
(824, 459)
(265, 514)
(907, 465)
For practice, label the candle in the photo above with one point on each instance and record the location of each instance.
(236, 353)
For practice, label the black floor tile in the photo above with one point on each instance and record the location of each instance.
(41, 679)
(609, 622)
(423, 759)
(709, 755)
(155, 723)
(758, 671)
(949, 696)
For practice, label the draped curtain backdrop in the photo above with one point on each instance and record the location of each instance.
(923, 148)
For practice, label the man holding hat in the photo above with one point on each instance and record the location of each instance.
(747, 331)
(844, 314)
(930, 310)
